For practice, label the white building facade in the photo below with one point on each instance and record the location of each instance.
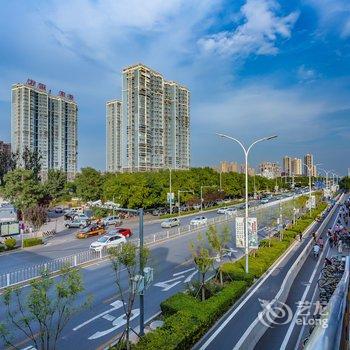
(154, 125)
(47, 124)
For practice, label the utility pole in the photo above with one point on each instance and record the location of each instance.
(142, 273)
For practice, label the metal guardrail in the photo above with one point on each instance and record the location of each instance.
(23, 276)
(329, 338)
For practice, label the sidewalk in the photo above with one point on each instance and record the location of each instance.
(242, 315)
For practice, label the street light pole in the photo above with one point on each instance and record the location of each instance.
(246, 153)
(142, 273)
(171, 198)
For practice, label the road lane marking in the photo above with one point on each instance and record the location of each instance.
(188, 279)
(109, 317)
(115, 306)
(185, 271)
(166, 286)
(238, 308)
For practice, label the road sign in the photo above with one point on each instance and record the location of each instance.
(253, 233)
(170, 197)
(240, 239)
(313, 201)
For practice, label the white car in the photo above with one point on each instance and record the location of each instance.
(107, 241)
(221, 211)
(231, 211)
(81, 216)
(199, 220)
(170, 223)
(112, 220)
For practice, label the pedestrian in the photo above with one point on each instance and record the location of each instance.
(300, 236)
(320, 242)
(340, 247)
(330, 239)
(314, 236)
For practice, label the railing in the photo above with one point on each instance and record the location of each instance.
(328, 338)
(23, 276)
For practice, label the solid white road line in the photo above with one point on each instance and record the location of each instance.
(296, 315)
(229, 318)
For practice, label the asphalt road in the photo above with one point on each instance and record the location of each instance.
(243, 314)
(65, 243)
(93, 327)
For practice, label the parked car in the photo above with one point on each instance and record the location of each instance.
(107, 241)
(264, 200)
(69, 215)
(126, 232)
(199, 220)
(159, 211)
(170, 223)
(58, 210)
(112, 220)
(81, 216)
(77, 223)
(221, 211)
(91, 230)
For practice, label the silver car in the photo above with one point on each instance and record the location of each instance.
(170, 223)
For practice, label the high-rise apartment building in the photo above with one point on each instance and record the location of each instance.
(113, 137)
(270, 170)
(226, 167)
(47, 124)
(308, 164)
(297, 167)
(154, 125)
(287, 166)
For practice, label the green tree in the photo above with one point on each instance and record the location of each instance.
(32, 161)
(125, 257)
(46, 309)
(55, 183)
(36, 215)
(344, 183)
(7, 163)
(203, 260)
(218, 242)
(23, 189)
(89, 184)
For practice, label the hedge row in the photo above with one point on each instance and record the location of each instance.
(30, 242)
(186, 319)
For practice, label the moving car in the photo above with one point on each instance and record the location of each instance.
(199, 220)
(221, 211)
(123, 231)
(231, 211)
(77, 223)
(107, 241)
(112, 220)
(170, 223)
(264, 200)
(91, 230)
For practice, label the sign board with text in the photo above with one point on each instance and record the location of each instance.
(313, 201)
(253, 233)
(170, 197)
(240, 239)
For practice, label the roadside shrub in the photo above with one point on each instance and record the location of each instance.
(235, 272)
(30, 242)
(10, 243)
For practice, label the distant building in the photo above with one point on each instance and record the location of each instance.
(227, 167)
(154, 129)
(287, 166)
(270, 170)
(251, 171)
(297, 167)
(308, 164)
(113, 135)
(5, 148)
(47, 124)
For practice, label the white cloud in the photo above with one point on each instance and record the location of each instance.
(258, 34)
(333, 14)
(306, 74)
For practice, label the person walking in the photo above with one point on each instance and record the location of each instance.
(340, 247)
(314, 236)
(300, 236)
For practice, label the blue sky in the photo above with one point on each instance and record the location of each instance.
(254, 68)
